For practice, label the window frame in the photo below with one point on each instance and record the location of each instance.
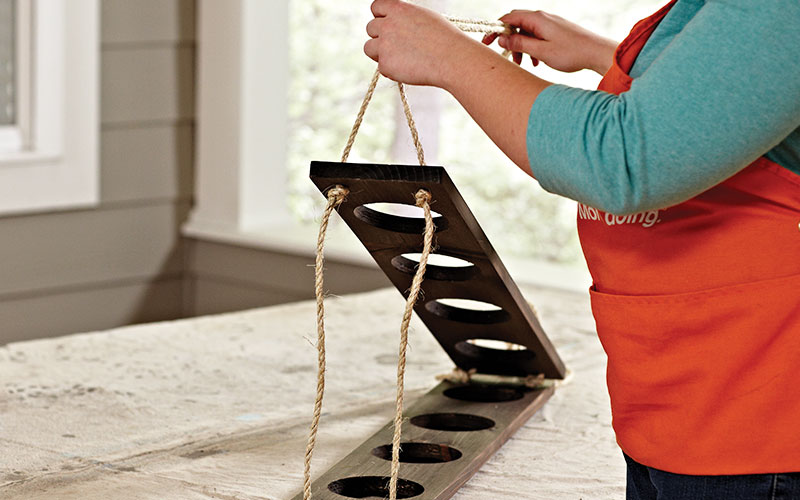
(241, 116)
(56, 162)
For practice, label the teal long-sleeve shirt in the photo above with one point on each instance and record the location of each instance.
(716, 86)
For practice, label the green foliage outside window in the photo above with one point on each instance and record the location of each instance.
(330, 73)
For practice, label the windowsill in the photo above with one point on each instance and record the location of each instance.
(342, 246)
(14, 158)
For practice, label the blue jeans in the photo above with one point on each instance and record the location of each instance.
(646, 483)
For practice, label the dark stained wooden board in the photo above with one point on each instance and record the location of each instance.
(439, 480)
(460, 236)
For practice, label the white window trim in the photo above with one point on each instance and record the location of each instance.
(57, 165)
(242, 131)
(11, 138)
(242, 82)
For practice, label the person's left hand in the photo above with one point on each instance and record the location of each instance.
(412, 44)
(560, 44)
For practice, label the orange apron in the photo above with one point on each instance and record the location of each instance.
(698, 308)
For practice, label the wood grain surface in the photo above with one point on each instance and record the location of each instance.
(439, 481)
(458, 235)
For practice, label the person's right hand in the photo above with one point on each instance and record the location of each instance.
(560, 44)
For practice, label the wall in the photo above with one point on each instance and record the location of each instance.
(123, 261)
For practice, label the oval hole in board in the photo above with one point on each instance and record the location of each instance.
(374, 486)
(484, 393)
(452, 422)
(496, 356)
(497, 345)
(419, 453)
(440, 267)
(467, 311)
(397, 217)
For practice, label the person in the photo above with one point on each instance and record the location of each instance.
(685, 164)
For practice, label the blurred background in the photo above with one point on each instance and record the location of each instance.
(154, 155)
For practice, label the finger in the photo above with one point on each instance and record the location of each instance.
(380, 8)
(521, 43)
(371, 49)
(503, 41)
(489, 38)
(374, 27)
(534, 61)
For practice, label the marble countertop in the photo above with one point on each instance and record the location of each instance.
(218, 407)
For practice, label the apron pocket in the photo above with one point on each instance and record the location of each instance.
(706, 382)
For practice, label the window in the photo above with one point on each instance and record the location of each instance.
(7, 62)
(329, 75)
(11, 75)
(49, 55)
(263, 115)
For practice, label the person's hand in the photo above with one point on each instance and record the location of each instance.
(412, 44)
(560, 44)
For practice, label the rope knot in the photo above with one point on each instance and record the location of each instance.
(423, 196)
(534, 381)
(337, 194)
(458, 375)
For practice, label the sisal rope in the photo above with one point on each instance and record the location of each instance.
(411, 125)
(479, 25)
(460, 376)
(336, 196)
(423, 199)
(360, 116)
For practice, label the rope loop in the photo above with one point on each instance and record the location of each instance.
(464, 24)
(336, 195)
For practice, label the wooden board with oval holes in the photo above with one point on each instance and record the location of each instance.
(447, 435)
(469, 307)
